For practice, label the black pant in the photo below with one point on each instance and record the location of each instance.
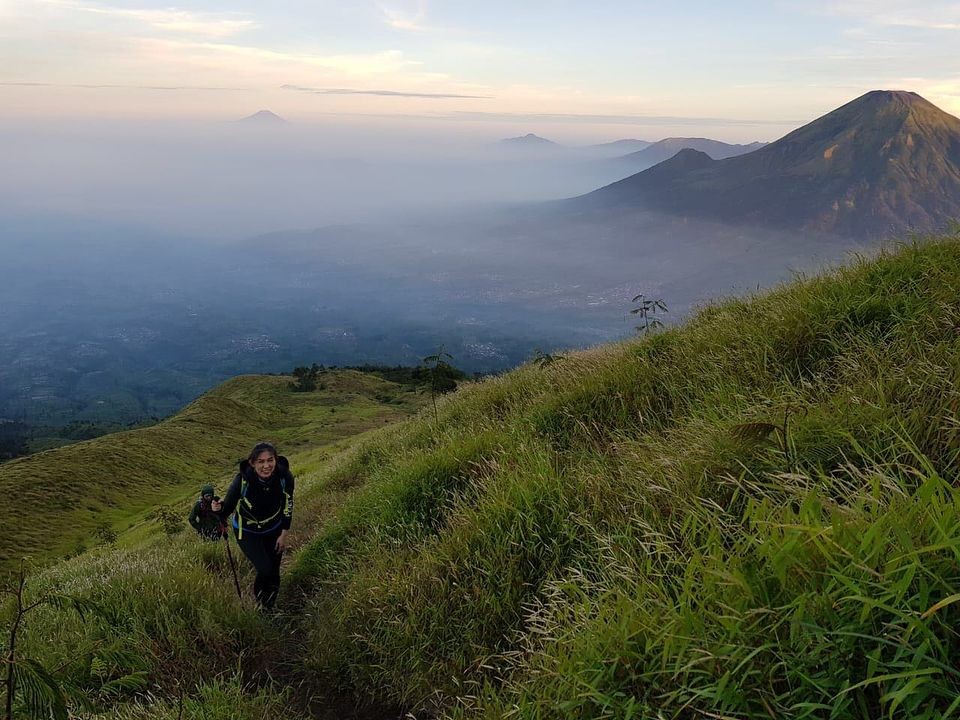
(261, 551)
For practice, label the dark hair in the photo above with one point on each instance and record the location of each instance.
(261, 447)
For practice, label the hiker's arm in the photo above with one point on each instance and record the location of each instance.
(287, 504)
(194, 518)
(287, 515)
(230, 500)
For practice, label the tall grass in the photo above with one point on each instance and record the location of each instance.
(601, 538)
(170, 637)
(594, 538)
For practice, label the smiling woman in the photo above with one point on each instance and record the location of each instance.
(261, 499)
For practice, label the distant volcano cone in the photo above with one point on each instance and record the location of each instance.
(528, 140)
(883, 164)
(263, 117)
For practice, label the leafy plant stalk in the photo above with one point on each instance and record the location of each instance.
(646, 310)
(438, 364)
(10, 683)
(44, 698)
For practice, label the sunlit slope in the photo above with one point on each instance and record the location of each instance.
(752, 515)
(55, 499)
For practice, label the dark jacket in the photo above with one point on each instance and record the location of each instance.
(260, 506)
(204, 520)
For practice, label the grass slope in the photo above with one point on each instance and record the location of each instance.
(619, 534)
(625, 534)
(56, 498)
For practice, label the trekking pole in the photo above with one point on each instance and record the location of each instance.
(233, 565)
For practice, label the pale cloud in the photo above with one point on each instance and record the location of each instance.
(268, 66)
(377, 63)
(7, 10)
(899, 13)
(89, 86)
(601, 119)
(168, 19)
(407, 18)
(384, 93)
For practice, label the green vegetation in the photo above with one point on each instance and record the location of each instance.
(646, 311)
(165, 621)
(18, 439)
(596, 538)
(750, 516)
(305, 378)
(60, 497)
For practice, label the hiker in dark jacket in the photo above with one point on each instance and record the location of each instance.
(261, 500)
(203, 519)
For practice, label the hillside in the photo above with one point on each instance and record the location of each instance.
(883, 164)
(626, 533)
(59, 496)
(752, 515)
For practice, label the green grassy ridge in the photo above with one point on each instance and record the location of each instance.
(592, 539)
(169, 626)
(171, 616)
(59, 496)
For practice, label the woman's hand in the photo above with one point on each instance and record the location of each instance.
(282, 541)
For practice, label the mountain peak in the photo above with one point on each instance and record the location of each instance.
(263, 117)
(906, 97)
(687, 159)
(885, 163)
(528, 139)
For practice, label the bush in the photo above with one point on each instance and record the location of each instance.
(169, 519)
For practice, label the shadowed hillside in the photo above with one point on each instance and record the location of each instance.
(885, 163)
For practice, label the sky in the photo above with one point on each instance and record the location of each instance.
(575, 70)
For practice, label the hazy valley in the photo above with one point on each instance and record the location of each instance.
(122, 313)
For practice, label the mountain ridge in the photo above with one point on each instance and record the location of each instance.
(668, 147)
(887, 162)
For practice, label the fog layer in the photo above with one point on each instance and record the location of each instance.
(145, 264)
(232, 179)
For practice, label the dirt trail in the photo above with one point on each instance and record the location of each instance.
(282, 663)
(313, 697)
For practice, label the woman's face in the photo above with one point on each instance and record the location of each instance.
(264, 464)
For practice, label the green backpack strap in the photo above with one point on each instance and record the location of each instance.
(243, 499)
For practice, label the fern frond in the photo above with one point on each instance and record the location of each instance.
(81, 606)
(42, 696)
(125, 685)
(753, 432)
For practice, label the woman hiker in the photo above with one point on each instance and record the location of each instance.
(261, 500)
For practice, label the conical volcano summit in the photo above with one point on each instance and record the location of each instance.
(883, 164)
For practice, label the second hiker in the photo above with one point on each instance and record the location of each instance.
(261, 500)
(203, 518)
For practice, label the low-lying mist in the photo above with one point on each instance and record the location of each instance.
(146, 263)
(230, 180)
